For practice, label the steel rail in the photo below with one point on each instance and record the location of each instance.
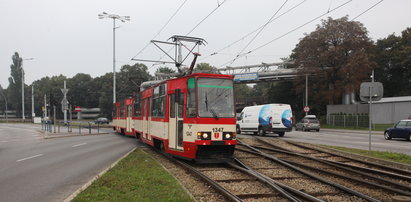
(214, 184)
(407, 172)
(332, 163)
(336, 185)
(283, 186)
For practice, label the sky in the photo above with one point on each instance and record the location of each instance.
(66, 37)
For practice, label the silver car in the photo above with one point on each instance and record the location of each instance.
(309, 122)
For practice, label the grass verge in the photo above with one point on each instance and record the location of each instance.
(396, 157)
(138, 177)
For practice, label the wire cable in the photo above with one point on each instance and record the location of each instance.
(289, 32)
(245, 36)
(162, 28)
(262, 28)
(198, 24)
(367, 10)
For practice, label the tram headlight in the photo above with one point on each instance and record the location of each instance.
(228, 135)
(204, 135)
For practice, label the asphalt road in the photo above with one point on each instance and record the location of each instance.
(351, 139)
(37, 169)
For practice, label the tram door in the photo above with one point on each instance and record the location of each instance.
(175, 133)
(146, 119)
(129, 118)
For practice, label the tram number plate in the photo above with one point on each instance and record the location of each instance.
(218, 129)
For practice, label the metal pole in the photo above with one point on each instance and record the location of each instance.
(32, 102)
(306, 92)
(54, 117)
(114, 60)
(45, 107)
(22, 93)
(370, 114)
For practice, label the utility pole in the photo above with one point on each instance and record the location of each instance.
(45, 107)
(370, 114)
(64, 103)
(306, 92)
(122, 19)
(32, 102)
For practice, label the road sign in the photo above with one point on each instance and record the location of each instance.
(375, 89)
(306, 109)
(77, 109)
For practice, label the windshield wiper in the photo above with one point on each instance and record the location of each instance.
(214, 113)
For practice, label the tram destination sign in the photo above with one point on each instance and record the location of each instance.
(246, 77)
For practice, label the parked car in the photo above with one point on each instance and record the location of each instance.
(400, 130)
(309, 122)
(102, 120)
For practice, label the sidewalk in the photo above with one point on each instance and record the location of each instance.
(353, 131)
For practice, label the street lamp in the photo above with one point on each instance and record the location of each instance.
(22, 88)
(122, 19)
(5, 100)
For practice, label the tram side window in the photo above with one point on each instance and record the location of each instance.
(114, 112)
(172, 105)
(137, 106)
(122, 110)
(159, 102)
(191, 98)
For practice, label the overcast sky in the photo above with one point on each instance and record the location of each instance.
(66, 37)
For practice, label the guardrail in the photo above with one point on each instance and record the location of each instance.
(88, 127)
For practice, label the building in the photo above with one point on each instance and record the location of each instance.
(386, 111)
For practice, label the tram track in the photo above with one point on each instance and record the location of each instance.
(238, 182)
(374, 184)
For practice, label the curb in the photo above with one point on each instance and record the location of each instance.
(78, 191)
(353, 131)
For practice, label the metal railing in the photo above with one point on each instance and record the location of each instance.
(348, 120)
(80, 127)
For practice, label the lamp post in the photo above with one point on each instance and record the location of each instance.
(5, 100)
(22, 88)
(122, 19)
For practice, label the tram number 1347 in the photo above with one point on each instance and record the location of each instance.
(218, 130)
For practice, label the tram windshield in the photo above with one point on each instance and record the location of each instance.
(215, 98)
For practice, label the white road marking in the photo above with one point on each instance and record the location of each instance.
(77, 145)
(27, 158)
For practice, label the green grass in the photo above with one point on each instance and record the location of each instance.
(378, 127)
(396, 157)
(138, 177)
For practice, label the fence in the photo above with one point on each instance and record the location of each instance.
(348, 120)
(80, 127)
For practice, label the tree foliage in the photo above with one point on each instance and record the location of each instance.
(394, 64)
(14, 89)
(339, 55)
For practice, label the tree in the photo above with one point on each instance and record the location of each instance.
(394, 64)
(130, 79)
(14, 89)
(339, 55)
(205, 68)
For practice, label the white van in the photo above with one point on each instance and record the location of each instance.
(261, 119)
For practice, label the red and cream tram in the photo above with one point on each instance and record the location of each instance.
(192, 116)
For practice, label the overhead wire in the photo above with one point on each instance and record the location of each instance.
(162, 28)
(262, 28)
(250, 33)
(289, 32)
(368, 9)
(198, 24)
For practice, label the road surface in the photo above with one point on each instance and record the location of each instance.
(37, 169)
(350, 139)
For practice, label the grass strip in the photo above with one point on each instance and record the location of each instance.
(391, 156)
(138, 177)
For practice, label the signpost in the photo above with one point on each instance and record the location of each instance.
(371, 91)
(306, 109)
